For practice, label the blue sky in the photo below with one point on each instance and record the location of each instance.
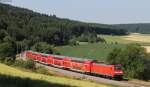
(97, 11)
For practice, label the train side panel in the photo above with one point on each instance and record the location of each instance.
(50, 60)
(101, 69)
(82, 66)
(57, 61)
(44, 59)
(66, 63)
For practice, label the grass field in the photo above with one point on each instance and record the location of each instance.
(101, 51)
(97, 51)
(11, 77)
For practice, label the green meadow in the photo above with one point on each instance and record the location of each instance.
(99, 50)
(96, 51)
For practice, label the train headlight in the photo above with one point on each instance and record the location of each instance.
(118, 72)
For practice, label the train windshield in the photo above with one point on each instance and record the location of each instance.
(117, 67)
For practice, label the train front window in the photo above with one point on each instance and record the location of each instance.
(117, 67)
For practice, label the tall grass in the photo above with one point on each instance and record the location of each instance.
(12, 77)
(11, 81)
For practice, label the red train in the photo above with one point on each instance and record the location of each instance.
(78, 64)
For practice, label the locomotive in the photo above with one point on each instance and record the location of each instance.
(78, 64)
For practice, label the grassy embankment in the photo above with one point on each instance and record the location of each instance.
(100, 51)
(12, 77)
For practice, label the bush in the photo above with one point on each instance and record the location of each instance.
(19, 63)
(99, 39)
(73, 42)
(43, 47)
(42, 70)
(28, 64)
(9, 61)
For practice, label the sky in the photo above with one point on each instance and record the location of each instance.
(94, 11)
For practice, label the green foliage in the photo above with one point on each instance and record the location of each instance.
(133, 58)
(28, 64)
(42, 70)
(135, 28)
(43, 47)
(90, 37)
(6, 51)
(9, 61)
(19, 63)
(73, 42)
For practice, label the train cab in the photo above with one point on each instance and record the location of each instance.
(118, 73)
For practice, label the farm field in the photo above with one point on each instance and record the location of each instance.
(101, 50)
(16, 78)
(143, 39)
(138, 37)
(96, 51)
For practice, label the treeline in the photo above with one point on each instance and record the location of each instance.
(135, 28)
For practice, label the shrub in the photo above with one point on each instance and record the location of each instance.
(42, 70)
(43, 47)
(28, 64)
(73, 42)
(19, 63)
(9, 61)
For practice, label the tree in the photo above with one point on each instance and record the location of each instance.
(42, 47)
(6, 51)
(73, 42)
(133, 58)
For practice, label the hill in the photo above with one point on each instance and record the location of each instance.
(135, 28)
(22, 29)
(12, 77)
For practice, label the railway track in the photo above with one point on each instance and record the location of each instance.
(69, 73)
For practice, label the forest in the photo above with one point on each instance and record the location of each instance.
(135, 28)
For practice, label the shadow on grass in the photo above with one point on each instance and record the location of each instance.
(10, 81)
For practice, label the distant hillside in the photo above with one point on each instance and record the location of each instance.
(25, 23)
(136, 28)
(22, 29)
